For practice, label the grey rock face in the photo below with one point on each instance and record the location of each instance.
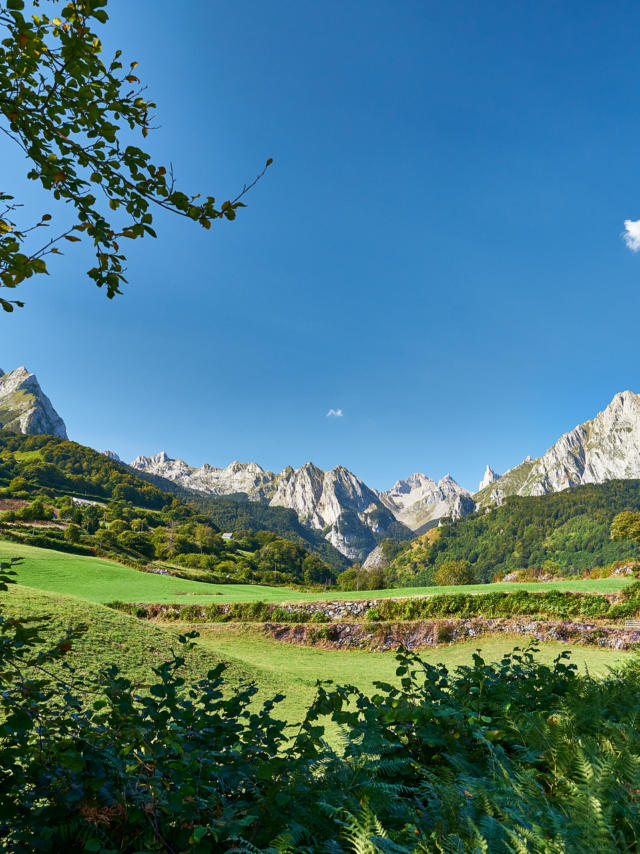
(419, 500)
(25, 408)
(602, 449)
(236, 477)
(351, 516)
(112, 456)
(375, 559)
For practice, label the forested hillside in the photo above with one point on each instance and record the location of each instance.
(236, 513)
(569, 530)
(58, 494)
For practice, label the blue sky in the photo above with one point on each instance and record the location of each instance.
(436, 251)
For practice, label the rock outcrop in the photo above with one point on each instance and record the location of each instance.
(351, 514)
(489, 476)
(375, 559)
(25, 408)
(602, 449)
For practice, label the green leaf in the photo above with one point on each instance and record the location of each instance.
(198, 834)
(16, 5)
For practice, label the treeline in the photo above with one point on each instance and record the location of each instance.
(236, 513)
(68, 468)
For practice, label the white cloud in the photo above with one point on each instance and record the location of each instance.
(632, 234)
(334, 413)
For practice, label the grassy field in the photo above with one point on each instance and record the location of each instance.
(100, 580)
(294, 670)
(111, 637)
(136, 646)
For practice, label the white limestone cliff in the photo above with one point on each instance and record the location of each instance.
(249, 478)
(604, 448)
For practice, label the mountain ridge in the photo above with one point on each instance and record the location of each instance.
(350, 515)
(606, 447)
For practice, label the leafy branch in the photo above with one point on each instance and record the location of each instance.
(68, 110)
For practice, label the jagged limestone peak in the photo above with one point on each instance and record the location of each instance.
(419, 501)
(489, 476)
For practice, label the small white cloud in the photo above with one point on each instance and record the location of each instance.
(334, 413)
(632, 234)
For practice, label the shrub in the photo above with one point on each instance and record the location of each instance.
(444, 633)
(454, 572)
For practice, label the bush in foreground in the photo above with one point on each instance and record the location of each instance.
(508, 757)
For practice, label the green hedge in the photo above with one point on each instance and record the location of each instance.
(551, 604)
(557, 604)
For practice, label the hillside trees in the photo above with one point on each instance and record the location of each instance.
(626, 526)
(572, 529)
(72, 112)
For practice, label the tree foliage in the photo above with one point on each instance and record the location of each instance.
(454, 572)
(76, 114)
(109, 510)
(626, 526)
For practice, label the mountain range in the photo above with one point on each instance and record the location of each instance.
(350, 515)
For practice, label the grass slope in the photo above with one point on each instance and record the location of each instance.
(136, 646)
(100, 580)
(294, 670)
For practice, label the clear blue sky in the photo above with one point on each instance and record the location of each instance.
(436, 250)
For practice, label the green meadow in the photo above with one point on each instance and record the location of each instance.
(137, 646)
(63, 590)
(101, 580)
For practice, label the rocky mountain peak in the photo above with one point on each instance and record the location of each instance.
(489, 476)
(604, 448)
(25, 408)
(418, 501)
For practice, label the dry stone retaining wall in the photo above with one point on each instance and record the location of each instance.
(382, 637)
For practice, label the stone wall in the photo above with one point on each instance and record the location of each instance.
(382, 637)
